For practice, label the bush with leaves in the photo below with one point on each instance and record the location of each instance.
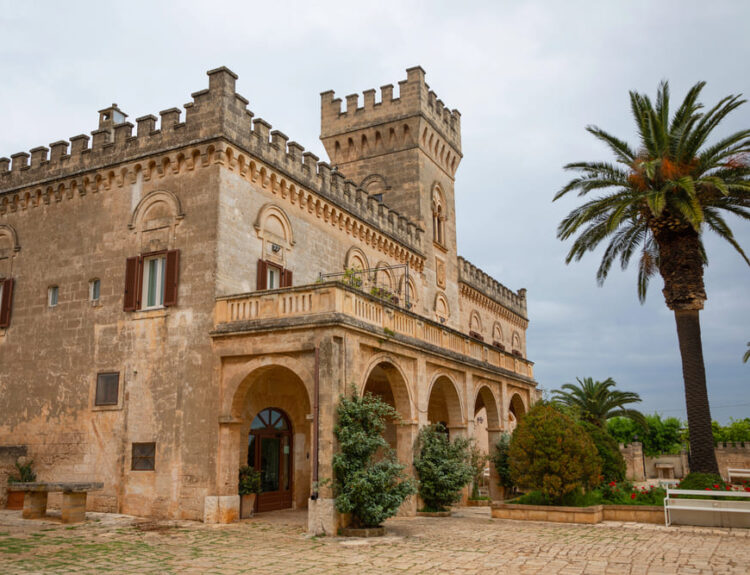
(613, 463)
(249, 480)
(501, 463)
(478, 460)
(551, 453)
(443, 466)
(25, 472)
(661, 435)
(370, 483)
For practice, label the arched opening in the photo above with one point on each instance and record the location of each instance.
(444, 405)
(516, 410)
(272, 406)
(387, 382)
(269, 451)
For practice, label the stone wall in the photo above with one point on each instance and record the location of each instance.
(727, 455)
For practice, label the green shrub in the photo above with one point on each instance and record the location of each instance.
(661, 435)
(576, 498)
(551, 453)
(443, 467)
(25, 473)
(613, 463)
(702, 481)
(369, 481)
(624, 493)
(501, 463)
(477, 459)
(249, 481)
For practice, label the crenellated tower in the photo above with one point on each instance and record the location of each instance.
(405, 150)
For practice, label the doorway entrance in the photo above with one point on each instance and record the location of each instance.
(269, 451)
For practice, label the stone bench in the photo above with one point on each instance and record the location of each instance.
(73, 502)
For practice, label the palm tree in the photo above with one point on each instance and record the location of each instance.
(595, 402)
(660, 197)
(747, 353)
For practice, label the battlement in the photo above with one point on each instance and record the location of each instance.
(415, 98)
(216, 113)
(491, 288)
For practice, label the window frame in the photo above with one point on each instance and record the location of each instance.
(6, 301)
(139, 458)
(134, 280)
(99, 378)
(95, 291)
(53, 293)
(160, 284)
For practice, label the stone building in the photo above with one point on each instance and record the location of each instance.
(195, 294)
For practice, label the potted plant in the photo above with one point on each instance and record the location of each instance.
(24, 474)
(249, 487)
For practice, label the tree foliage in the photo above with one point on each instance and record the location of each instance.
(370, 483)
(443, 466)
(596, 401)
(654, 202)
(501, 462)
(657, 436)
(738, 431)
(613, 463)
(551, 453)
(478, 461)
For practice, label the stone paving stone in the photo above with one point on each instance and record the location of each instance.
(469, 542)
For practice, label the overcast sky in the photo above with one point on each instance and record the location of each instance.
(527, 78)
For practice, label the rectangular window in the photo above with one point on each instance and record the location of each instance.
(107, 389)
(144, 457)
(272, 276)
(52, 294)
(151, 280)
(6, 298)
(94, 290)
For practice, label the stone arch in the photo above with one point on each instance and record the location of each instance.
(383, 276)
(385, 378)
(442, 309)
(516, 410)
(274, 229)
(516, 343)
(409, 287)
(9, 248)
(375, 184)
(475, 322)
(486, 399)
(272, 382)
(157, 204)
(497, 334)
(444, 403)
(356, 259)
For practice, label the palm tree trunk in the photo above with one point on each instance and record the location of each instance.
(702, 454)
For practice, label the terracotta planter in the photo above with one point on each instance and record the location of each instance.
(363, 532)
(15, 499)
(247, 505)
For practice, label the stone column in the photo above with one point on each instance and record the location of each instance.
(224, 507)
(73, 507)
(34, 504)
(407, 435)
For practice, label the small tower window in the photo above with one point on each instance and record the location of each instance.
(52, 295)
(438, 217)
(94, 290)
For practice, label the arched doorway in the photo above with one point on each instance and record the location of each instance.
(444, 405)
(516, 411)
(269, 450)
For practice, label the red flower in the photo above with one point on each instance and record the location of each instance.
(708, 489)
(632, 495)
(747, 489)
(716, 486)
(612, 483)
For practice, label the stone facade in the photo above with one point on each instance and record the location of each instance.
(279, 282)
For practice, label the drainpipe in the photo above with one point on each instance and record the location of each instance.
(316, 423)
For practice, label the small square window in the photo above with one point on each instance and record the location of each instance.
(107, 389)
(94, 290)
(52, 294)
(144, 457)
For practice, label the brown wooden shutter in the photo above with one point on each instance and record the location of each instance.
(172, 277)
(286, 278)
(132, 267)
(262, 274)
(6, 303)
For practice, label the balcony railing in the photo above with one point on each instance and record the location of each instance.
(338, 298)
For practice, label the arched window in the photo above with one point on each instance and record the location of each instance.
(438, 216)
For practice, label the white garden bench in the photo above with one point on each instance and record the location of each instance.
(737, 474)
(695, 510)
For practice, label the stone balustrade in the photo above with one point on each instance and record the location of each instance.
(233, 313)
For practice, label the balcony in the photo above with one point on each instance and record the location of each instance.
(336, 300)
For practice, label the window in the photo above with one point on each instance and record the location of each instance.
(144, 457)
(151, 280)
(94, 290)
(107, 389)
(272, 276)
(438, 217)
(154, 269)
(52, 294)
(6, 298)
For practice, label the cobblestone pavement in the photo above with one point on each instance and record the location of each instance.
(468, 542)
